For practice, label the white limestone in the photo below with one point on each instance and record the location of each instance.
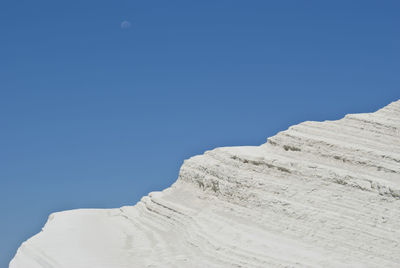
(320, 194)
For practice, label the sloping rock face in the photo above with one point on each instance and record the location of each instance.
(320, 194)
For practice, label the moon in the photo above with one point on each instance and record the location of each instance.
(125, 24)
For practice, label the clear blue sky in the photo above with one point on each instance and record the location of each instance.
(93, 114)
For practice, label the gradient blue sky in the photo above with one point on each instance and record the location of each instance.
(93, 114)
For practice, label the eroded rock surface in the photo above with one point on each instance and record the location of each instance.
(320, 194)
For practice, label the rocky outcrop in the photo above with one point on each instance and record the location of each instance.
(320, 194)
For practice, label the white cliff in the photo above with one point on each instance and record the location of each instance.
(320, 194)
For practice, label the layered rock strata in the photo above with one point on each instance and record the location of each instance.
(320, 194)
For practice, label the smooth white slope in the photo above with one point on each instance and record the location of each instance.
(321, 194)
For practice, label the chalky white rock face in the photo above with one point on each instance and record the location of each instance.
(321, 194)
